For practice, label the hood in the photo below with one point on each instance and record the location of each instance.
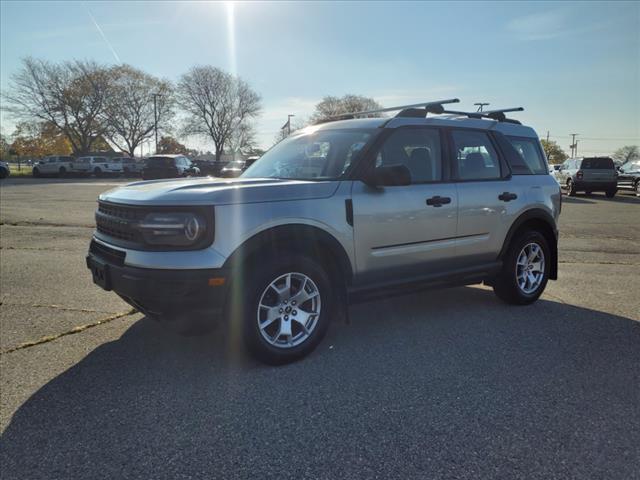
(218, 191)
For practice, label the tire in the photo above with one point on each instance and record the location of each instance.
(508, 285)
(636, 188)
(571, 188)
(36, 172)
(62, 172)
(97, 172)
(3, 173)
(270, 343)
(611, 193)
(125, 172)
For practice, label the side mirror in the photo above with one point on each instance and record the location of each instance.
(390, 176)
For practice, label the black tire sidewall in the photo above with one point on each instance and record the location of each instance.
(257, 281)
(507, 284)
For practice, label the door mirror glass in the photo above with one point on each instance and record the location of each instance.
(391, 176)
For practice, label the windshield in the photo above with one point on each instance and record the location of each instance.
(321, 155)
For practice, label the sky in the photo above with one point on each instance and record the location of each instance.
(573, 66)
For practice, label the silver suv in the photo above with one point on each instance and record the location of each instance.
(340, 210)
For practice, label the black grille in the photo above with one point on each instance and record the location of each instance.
(112, 255)
(119, 222)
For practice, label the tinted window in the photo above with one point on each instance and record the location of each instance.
(475, 155)
(602, 163)
(530, 152)
(160, 162)
(418, 149)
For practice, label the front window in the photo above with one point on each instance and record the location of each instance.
(314, 155)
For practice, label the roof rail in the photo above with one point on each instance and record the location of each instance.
(425, 106)
(498, 115)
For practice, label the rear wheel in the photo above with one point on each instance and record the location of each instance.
(525, 270)
(637, 188)
(62, 172)
(571, 188)
(611, 193)
(286, 309)
(36, 172)
(97, 172)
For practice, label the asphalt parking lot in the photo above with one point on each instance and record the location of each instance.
(441, 384)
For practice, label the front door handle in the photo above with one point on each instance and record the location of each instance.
(507, 196)
(438, 201)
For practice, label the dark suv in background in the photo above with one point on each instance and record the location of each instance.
(588, 174)
(168, 166)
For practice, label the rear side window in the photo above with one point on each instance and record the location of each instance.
(598, 163)
(529, 150)
(416, 148)
(476, 158)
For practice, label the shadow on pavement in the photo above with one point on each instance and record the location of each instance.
(442, 384)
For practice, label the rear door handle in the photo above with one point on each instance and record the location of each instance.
(438, 201)
(507, 196)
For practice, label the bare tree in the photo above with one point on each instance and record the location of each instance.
(129, 109)
(628, 153)
(243, 138)
(70, 96)
(217, 104)
(332, 106)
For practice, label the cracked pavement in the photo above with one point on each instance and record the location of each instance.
(442, 384)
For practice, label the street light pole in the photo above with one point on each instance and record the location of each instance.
(155, 116)
(289, 123)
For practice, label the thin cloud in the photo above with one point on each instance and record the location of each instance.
(547, 25)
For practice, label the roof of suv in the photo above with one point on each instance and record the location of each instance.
(445, 120)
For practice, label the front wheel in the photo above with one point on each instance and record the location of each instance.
(571, 187)
(637, 188)
(525, 270)
(36, 172)
(611, 193)
(286, 309)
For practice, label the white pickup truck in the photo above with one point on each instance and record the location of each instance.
(96, 166)
(53, 165)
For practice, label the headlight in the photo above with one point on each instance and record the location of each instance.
(179, 229)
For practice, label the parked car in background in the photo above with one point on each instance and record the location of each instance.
(629, 176)
(236, 167)
(553, 171)
(96, 166)
(168, 166)
(209, 168)
(130, 165)
(59, 165)
(4, 170)
(589, 174)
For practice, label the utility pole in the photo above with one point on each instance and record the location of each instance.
(574, 145)
(155, 116)
(481, 105)
(547, 137)
(289, 123)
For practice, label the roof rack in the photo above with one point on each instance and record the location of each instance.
(433, 107)
(498, 115)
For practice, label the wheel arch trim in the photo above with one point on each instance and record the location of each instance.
(279, 236)
(530, 216)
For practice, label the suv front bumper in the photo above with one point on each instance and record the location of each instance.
(165, 295)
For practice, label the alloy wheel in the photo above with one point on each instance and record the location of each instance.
(530, 268)
(288, 310)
